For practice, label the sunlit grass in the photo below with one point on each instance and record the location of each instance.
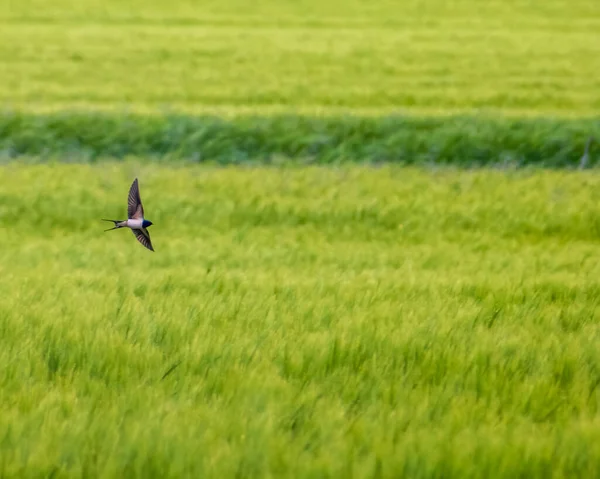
(433, 57)
(299, 322)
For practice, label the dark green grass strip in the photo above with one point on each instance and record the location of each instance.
(460, 141)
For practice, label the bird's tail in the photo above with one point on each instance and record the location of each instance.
(116, 222)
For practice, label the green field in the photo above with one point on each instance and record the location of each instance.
(421, 82)
(517, 57)
(324, 322)
(339, 288)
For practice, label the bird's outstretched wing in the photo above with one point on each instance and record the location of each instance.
(143, 237)
(135, 210)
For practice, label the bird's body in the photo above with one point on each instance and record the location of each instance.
(134, 224)
(135, 221)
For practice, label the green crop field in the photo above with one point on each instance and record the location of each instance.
(517, 57)
(502, 80)
(361, 267)
(299, 322)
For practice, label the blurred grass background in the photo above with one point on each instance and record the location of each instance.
(511, 57)
(460, 82)
(301, 316)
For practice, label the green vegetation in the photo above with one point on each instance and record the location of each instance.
(340, 320)
(299, 322)
(462, 141)
(313, 81)
(320, 57)
(412, 82)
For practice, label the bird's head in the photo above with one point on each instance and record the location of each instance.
(146, 223)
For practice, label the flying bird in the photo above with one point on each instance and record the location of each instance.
(135, 217)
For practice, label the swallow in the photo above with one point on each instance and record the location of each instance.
(135, 217)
